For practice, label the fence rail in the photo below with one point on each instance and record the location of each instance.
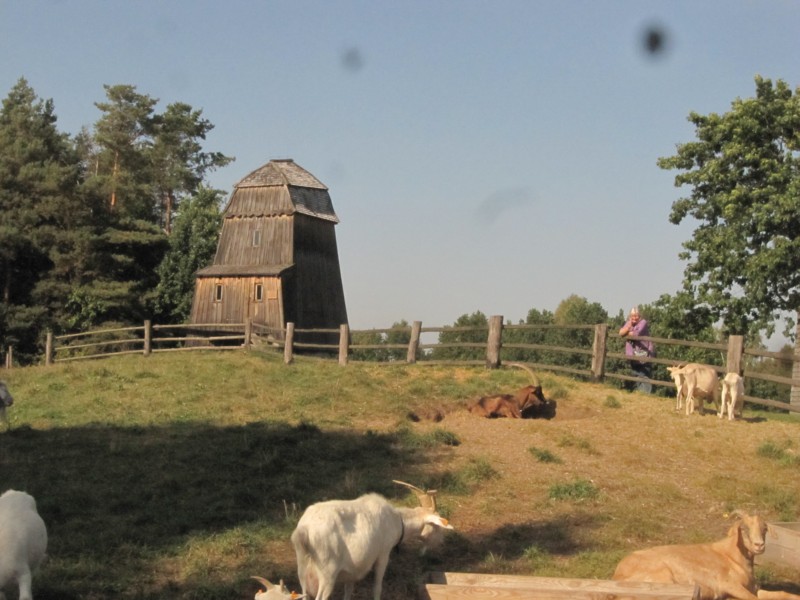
(604, 362)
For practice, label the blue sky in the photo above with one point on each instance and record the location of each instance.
(481, 155)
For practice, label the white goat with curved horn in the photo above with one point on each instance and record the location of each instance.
(340, 541)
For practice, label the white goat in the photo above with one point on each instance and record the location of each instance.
(343, 540)
(695, 382)
(274, 592)
(680, 385)
(732, 398)
(6, 399)
(722, 569)
(23, 541)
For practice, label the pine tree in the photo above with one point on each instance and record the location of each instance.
(39, 211)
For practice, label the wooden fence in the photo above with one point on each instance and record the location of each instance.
(604, 357)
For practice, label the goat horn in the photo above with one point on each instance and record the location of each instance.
(534, 378)
(262, 581)
(426, 499)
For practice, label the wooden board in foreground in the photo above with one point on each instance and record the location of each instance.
(481, 586)
(783, 545)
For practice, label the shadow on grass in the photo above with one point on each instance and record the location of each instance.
(117, 500)
(108, 492)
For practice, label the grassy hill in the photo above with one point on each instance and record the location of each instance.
(179, 476)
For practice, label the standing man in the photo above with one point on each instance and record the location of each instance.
(637, 326)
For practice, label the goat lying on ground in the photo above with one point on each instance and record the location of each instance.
(6, 399)
(732, 398)
(722, 569)
(343, 540)
(274, 592)
(527, 403)
(695, 382)
(23, 541)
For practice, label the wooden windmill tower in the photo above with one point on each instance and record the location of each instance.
(277, 260)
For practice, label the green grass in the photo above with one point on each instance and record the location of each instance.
(544, 456)
(782, 452)
(575, 491)
(180, 475)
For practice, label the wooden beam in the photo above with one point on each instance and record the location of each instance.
(480, 586)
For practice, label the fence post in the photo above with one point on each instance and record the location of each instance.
(344, 343)
(494, 342)
(735, 351)
(48, 348)
(10, 357)
(794, 393)
(148, 337)
(599, 352)
(413, 344)
(288, 344)
(248, 332)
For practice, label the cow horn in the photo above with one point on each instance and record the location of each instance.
(262, 581)
(534, 379)
(426, 499)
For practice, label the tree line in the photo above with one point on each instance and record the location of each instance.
(108, 226)
(556, 332)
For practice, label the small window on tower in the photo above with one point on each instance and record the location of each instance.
(256, 237)
(259, 292)
(218, 293)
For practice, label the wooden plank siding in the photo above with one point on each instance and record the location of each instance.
(277, 233)
(317, 296)
(238, 302)
(236, 245)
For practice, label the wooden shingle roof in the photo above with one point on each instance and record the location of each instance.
(281, 172)
(281, 187)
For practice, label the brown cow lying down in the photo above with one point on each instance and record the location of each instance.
(527, 403)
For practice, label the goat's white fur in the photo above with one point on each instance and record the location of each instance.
(23, 541)
(695, 382)
(341, 541)
(722, 569)
(732, 398)
(274, 592)
(680, 385)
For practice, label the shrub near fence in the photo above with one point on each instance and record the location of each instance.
(601, 359)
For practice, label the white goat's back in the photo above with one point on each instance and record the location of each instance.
(699, 382)
(342, 539)
(23, 540)
(732, 399)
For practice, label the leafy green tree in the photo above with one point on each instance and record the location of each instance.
(468, 329)
(369, 338)
(399, 334)
(145, 162)
(576, 310)
(177, 156)
(744, 174)
(537, 336)
(41, 216)
(191, 247)
(120, 277)
(122, 141)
